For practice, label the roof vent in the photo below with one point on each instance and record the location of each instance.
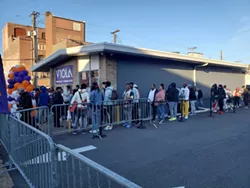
(176, 52)
(195, 54)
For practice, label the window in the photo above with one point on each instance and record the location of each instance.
(19, 32)
(43, 36)
(76, 26)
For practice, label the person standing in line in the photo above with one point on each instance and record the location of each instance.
(221, 97)
(135, 108)
(199, 97)
(128, 97)
(66, 98)
(81, 97)
(151, 97)
(96, 99)
(245, 96)
(160, 103)
(173, 98)
(185, 100)
(236, 95)
(43, 100)
(214, 97)
(192, 99)
(108, 105)
(225, 107)
(25, 102)
(57, 99)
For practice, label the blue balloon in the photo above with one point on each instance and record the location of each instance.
(25, 72)
(19, 79)
(27, 78)
(10, 81)
(10, 99)
(10, 86)
(16, 74)
(18, 99)
(21, 74)
(31, 94)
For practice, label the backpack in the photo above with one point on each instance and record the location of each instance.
(114, 95)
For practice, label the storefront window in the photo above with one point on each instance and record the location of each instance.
(84, 77)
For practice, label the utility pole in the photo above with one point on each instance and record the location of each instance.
(34, 16)
(221, 55)
(115, 36)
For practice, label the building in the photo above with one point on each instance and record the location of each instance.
(59, 33)
(121, 64)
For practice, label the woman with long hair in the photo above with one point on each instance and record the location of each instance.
(160, 103)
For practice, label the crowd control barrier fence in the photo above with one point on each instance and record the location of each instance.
(29, 150)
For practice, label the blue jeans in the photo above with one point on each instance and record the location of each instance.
(161, 112)
(96, 119)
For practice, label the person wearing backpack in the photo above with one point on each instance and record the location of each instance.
(109, 96)
(80, 98)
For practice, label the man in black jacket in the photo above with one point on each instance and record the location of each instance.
(173, 98)
(25, 102)
(57, 110)
(221, 97)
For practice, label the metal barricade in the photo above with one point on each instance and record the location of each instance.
(75, 170)
(38, 117)
(30, 150)
(121, 112)
(64, 120)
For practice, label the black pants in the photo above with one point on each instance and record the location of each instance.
(57, 114)
(236, 101)
(246, 100)
(154, 109)
(221, 104)
(26, 117)
(135, 113)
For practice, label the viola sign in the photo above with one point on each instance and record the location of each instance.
(64, 75)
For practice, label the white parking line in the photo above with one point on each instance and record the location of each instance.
(63, 157)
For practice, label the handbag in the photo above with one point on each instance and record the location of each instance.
(73, 107)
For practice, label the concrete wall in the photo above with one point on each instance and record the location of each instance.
(144, 72)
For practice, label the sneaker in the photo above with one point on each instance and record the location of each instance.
(74, 132)
(186, 117)
(84, 132)
(110, 127)
(246, 107)
(107, 128)
(172, 119)
(93, 131)
(191, 114)
(128, 125)
(161, 122)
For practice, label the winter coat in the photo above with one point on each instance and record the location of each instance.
(25, 101)
(58, 99)
(192, 96)
(221, 93)
(43, 99)
(173, 94)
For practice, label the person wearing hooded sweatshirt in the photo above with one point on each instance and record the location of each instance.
(43, 100)
(221, 97)
(96, 99)
(81, 97)
(108, 104)
(173, 98)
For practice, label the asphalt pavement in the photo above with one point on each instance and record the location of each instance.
(200, 152)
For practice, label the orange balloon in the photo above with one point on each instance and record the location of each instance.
(29, 88)
(10, 91)
(11, 76)
(22, 67)
(16, 85)
(20, 86)
(25, 83)
(9, 106)
(13, 69)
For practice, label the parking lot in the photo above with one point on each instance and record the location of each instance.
(201, 152)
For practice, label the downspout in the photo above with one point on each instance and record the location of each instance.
(194, 72)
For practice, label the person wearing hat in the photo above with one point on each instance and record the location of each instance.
(25, 102)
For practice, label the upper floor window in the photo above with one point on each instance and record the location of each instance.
(43, 36)
(19, 32)
(76, 26)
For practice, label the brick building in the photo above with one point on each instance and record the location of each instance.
(59, 33)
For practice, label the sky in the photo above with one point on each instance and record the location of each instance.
(167, 25)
